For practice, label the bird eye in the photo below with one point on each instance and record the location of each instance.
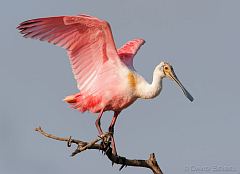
(166, 68)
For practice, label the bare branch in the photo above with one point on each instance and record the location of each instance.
(150, 163)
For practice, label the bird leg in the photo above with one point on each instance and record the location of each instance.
(98, 123)
(111, 130)
(105, 139)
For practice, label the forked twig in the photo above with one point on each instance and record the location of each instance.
(150, 163)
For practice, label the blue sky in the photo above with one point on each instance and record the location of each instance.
(200, 38)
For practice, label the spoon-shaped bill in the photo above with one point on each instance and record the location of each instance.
(186, 93)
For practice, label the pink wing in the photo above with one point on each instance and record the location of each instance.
(129, 50)
(88, 41)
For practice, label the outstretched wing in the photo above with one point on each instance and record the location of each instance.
(88, 41)
(129, 50)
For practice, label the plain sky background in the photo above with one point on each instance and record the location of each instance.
(200, 38)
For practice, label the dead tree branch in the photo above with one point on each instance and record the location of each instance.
(150, 163)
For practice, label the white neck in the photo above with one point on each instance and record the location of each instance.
(146, 90)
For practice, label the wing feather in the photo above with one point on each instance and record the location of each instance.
(88, 41)
(129, 50)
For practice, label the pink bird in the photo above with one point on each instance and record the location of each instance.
(105, 75)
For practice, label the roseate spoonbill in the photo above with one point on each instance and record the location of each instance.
(105, 75)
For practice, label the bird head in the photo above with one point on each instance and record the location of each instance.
(167, 71)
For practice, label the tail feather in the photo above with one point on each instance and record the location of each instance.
(83, 103)
(70, 99)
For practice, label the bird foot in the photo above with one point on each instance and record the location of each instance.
(106, 141)
(106, 137)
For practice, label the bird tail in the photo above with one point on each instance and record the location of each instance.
(82, 103)
(70, 99)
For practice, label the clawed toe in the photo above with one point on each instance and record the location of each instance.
(106, 141)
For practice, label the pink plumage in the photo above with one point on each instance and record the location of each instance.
(128, 51)
(93, 56)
